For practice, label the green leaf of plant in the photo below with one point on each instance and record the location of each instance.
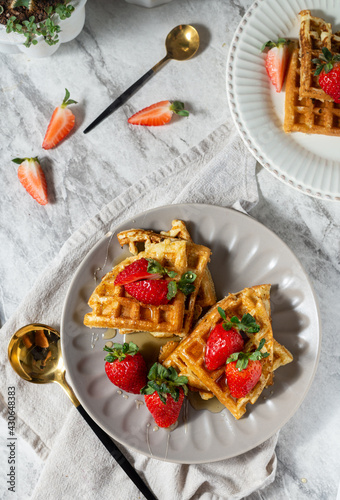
(328, 67)
(162, 372)
(171, 274)
(186, 288)
(178, 108)
(222, 313)
(21, 3)
(188, 277)
(172, 290)
(327, 54)
(318, 70)
(152, 375)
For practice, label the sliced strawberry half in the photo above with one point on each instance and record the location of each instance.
(33, 179)
(150, 292)
(158, 114)
(276, 61)
(135, 271)
(61, 124)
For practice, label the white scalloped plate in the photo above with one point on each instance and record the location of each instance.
(244, 253)
(309, 163)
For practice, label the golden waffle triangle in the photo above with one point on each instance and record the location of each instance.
(315, 33)
(133, 237)
(188, 357)
(307, 115)
(113, 307)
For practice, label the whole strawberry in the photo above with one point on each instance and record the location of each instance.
(328, 70)
(225, 338)
(164, 394)
(126, 367)
(244, 370)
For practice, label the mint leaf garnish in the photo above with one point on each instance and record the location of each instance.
(242, 358)
(155, 267)
(247, 324)
(172, 290)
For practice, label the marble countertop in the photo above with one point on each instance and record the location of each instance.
(119, 43)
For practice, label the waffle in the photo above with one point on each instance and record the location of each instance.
(315, 34)
(188, 357)
(113, 307)
(307, 115)
(133, 237)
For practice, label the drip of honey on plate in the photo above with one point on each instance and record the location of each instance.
(149, 347)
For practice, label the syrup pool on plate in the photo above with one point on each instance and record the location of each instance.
(149, 347)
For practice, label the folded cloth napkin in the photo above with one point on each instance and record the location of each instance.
(218, 171)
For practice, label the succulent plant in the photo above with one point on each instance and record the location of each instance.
(22, 3)
(48, 28)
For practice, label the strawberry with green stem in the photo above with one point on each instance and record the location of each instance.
(164, 394)
(276, 61)
(244, 370)
(328, 71)
(225, 338)
(142, 269)
(32, 177)
(160, 291)
(158, 114)
(126, 367)
(61, 124)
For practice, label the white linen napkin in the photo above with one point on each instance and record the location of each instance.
(218, 171)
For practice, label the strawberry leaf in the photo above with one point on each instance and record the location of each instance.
(242, 358)
(19, 161)
(164, 381)
(280, 42)
(67, 100)
(118, 352)
(178, 108)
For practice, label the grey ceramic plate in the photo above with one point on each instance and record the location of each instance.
(244, 253)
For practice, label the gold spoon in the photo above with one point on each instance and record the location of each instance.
(181, 43)
(35, 354)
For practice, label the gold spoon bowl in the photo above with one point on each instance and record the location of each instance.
(34, 352)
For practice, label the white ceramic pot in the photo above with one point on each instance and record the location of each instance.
(11, 43)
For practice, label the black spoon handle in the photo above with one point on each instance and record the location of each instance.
(117, 455)
(120, 100)
(127, 94)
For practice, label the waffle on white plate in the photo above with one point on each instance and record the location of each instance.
(308, 108)
(306, 114)
(113, 307)
(188, 357)
(315, 33)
